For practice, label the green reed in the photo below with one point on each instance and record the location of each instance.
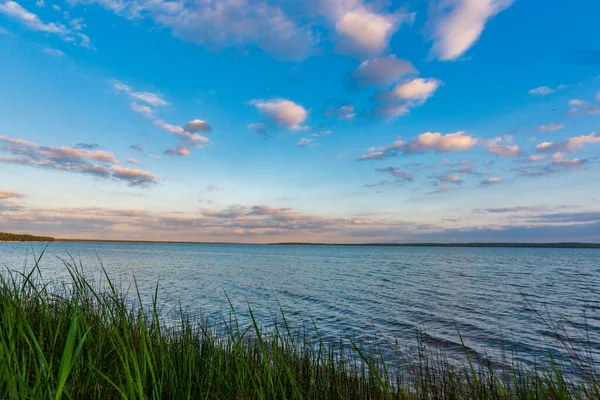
(87, 340)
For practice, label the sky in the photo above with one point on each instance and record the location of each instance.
(336, 121)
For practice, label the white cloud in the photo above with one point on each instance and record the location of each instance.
(15, 11)
(382, 71)
(344, 112)
(147, 97)
(541, 91)
(577, 103)
(550, 127)
(459, 24)
(53, 52)
(193, 139)
(572, 144)
(305, 142)
(418, 89)
(142, 109)
(40, 3)
(282, 112)
(365, 31)
(500, 150)
(225, 23)
(458, 141)
(55, 7)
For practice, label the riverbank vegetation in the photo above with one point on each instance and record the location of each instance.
(18, 237)
(86, 339)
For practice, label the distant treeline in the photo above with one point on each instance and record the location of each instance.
(560, 245)
(17, 237)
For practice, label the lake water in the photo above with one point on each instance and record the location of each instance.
(390, 292)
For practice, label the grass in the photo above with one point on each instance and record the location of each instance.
(88, 340)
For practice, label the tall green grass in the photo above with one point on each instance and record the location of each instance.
(79, 339)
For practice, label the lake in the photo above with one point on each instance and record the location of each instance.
(388, 292)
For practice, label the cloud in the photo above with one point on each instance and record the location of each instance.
(382, 71)
(418, 89)
(367, 32)
(491, 181)
(405, 96)
(458, 24)
(40, 3)
(282, 112)
(263, 223)
(133, 161)
(518, 209)
(153, 99)
(153, 156)
(53, 52)
(95, 163)
(258, 127)
(211, 187)
(306, 142)
(178, 151)
(137, 147)
(501, 150)
(382, 183)
(541, 91)
(558, 163)
(87, 146)
(550, 127)
(142, 109)
(134, 177)
(458, 141)
(581, 107)
(266, 210)
(197, 125)
(397, 173)
(192, 139)
(447, 178)
(572, 144)
(227, 23)
(343, 112)
(33, 22)
(7, 194)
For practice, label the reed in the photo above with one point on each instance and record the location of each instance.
(80, 339)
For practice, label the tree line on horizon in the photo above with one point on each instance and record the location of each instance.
(19, 237)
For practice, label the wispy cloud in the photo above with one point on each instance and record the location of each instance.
(53, 52)
(306, 142)
(397, 173)
(7, 194)
(438, 142)
(30, 20)
(550, 127)
(96, 163)
(153, 99)
(491, 181)
(572, 144)
(343, 112)
(458, 24)
(545, 90)
(177, 151)
(494, 146)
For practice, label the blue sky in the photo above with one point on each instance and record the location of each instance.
(331, 120)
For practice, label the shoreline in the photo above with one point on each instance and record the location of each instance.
(548, 245)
